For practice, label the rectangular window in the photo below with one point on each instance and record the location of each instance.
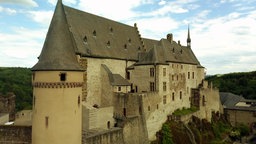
(152, 72)
(119, 88)
(180, 94)
(164, 86)
(152, 86)
(164, 99)
(188, 75)
(203, 100)
(46, 121)
(33, 75)
(173, 96)
(164, 71)
(128, 75)
(63, 76)
(34, 100)
(193, 75)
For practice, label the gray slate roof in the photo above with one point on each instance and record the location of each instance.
(229, 99)
(76, 32)
(96, 36)
(163, 51)
(58, 50)
(115, 79)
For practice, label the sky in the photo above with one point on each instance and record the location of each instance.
(223, 32)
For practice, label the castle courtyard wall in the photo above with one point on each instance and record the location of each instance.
(112, 136)
(15, 134)
(94, 76)
(209, 101)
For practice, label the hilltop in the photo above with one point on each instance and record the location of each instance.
(18, 81)
(241, 83)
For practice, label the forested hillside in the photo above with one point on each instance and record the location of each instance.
(18, 81)
(243, 83)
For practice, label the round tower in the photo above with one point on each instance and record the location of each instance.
(57, 87)
(57, 109)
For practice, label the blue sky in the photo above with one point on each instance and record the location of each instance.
(223, 32)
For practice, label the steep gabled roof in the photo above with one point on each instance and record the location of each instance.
(58, 50)
(163, 51)
(96, 36)
(115, 79)
(73, 32)
(154, 56)
(229, 99)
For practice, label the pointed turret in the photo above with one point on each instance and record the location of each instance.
(57, 87)
(188, 38)
(58, 50)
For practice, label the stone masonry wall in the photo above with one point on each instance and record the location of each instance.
(15, 134)
(7, 105)
(114, 136)
(93, 79)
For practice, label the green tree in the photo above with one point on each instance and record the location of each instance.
(166, 134)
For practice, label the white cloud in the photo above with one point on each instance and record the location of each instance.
(162, 2)
(116, 10)
(176, 7)
(27, 3)
(162, 25)
(68, 2)
(21, 47)
(8, 10)
(222, 43)
(42, 17)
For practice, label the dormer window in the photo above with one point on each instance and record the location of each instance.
(63, 76)
(130, 40)
(94, 33)
(108, 44)
(85, 39)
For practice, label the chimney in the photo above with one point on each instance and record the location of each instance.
(169, 37)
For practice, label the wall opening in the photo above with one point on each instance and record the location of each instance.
(63, 76)
(46, 121)
(124, 111)
(108, 124)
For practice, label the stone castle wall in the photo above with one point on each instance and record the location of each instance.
(209, 101)
(94, 79)
(114, 136)
(7, 105)
(15, 134)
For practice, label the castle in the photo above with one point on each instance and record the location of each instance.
(99, 81)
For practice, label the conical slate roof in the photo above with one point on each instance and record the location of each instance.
(58, 52)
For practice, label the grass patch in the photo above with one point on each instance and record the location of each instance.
(185, 111)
